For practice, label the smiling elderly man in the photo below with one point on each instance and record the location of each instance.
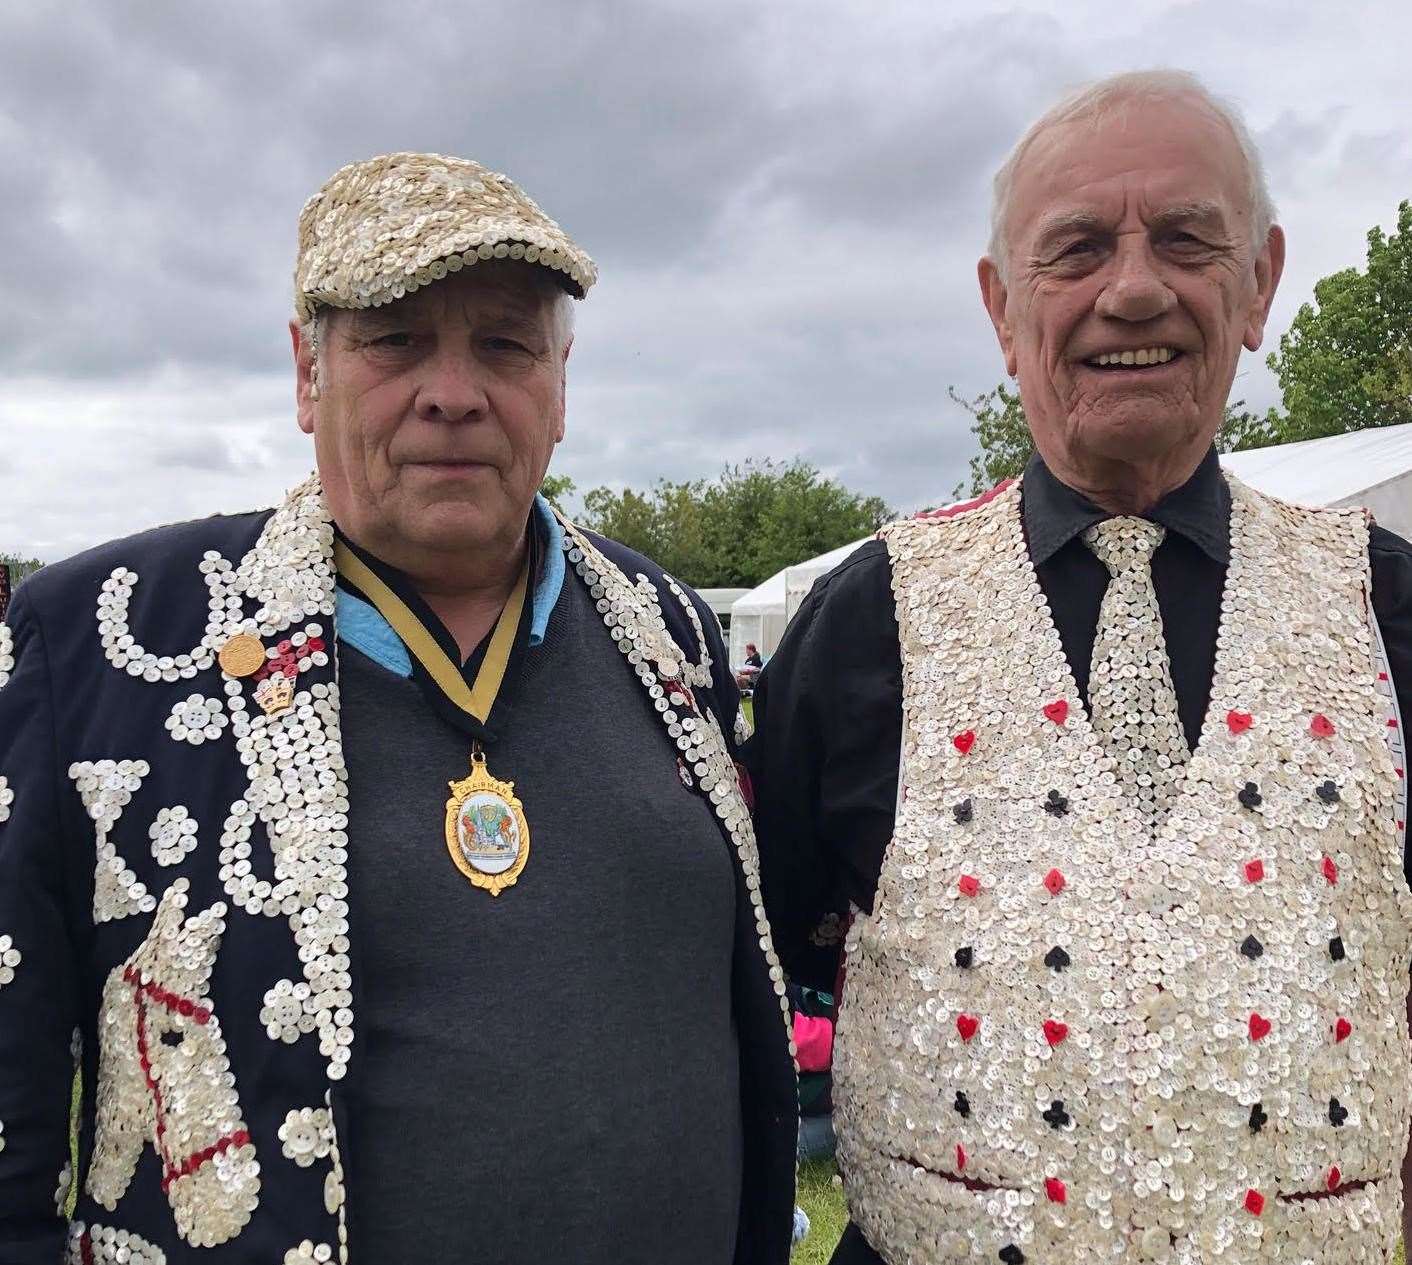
(1130, 941)
(322, 1009)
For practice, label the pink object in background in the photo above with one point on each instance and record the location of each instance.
(814, 1040)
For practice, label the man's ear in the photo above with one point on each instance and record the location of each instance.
(305, 405)
(563, 388)
(995, 295)
(1269, 267)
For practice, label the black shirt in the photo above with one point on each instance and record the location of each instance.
(828, 707)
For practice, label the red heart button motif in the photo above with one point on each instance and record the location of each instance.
(1238, 722)
(1342, 1029)
(1330, 870)
(1054, 881)
(1254, 1202)
(960, 1158)
(1057, 711)
(1321, 726)
(968, 885)
(967, 1026)
(1054, 1190)
(1254, 870)
(1259, 1026)
(1054, 1031)
(963, 742)
(1334, 1178)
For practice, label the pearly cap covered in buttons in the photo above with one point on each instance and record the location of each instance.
(382, 228)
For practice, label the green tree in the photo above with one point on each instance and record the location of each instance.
(1346, 362)
(556, 489)
(739, 528)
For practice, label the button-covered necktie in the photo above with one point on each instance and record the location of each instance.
(1131, 699)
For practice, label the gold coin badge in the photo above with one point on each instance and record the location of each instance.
(243, 655)
(486, 831)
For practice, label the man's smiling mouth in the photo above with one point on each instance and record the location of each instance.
(1141, 358)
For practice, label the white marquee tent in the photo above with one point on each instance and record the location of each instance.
(1372, 468)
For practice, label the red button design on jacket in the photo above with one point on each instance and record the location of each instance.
(1057, 711)
(963, 742)
(1054, 1031)
(1254, 1202)
(1259, 1026)
(1055, 1191)
(967, 1025)
(1342, 1030)
(1334, 1178)
(960, 1158)
(1330, 870)
(968, 885)
(1238, 722)
(1054, 881)
(1254, 870)
(1321, 726)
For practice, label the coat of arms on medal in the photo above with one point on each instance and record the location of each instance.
(486, 831)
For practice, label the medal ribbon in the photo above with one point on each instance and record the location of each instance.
(475, 700)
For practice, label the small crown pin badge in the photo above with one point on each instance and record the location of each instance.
(275, 694)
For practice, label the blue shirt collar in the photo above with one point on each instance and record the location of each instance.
(360, 625)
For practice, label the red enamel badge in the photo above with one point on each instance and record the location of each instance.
(964, 741)
(1330, 870)
(967, 1026)
(1259, 1026)
(1057, 711)
(1254, 870)
(1054, 1190)
(1054, 881)
(1321, 726)
(1342, 1029)
(1238, 722)
(1054, 1031)
(968, 885)
(1254, 1202)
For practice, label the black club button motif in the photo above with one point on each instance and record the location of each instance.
(1338, 1113)
(1328, 792)
(1336, 949)
(1055, 1115)
(1056, 805)
(965, 956)
(1012, 1255)
(1249, 796)
(1251, 947)
(1056, 959)
(1258, 1118)
(964, 812)
(962, 1104)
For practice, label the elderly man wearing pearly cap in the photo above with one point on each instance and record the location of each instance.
(1115, 824)
(380, 861)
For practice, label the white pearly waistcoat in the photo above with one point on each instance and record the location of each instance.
(1070, 1037)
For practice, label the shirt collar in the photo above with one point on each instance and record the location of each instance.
(361, 626)
(1200, 510)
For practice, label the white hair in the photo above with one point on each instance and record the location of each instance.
(1109, 98)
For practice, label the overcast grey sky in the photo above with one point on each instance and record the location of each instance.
(786, 201)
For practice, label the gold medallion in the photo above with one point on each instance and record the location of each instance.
(486, 831)
(242, 655)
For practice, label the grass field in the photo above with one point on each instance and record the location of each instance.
(822, 1199)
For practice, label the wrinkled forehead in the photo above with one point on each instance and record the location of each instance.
(501, 288)
(1155, 161)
